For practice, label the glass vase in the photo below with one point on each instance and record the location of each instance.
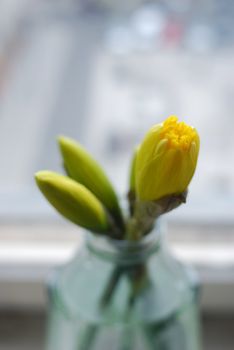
(118, 295)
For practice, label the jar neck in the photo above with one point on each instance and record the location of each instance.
(125, 252)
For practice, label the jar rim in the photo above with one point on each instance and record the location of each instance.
(124, 251)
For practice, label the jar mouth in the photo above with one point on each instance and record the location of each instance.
(126, 252)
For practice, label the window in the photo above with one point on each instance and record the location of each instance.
(104, 80)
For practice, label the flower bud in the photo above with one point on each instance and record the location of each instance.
(166, 160)
(132, 182)
(73, 201)
(132, 177)
(81, 167)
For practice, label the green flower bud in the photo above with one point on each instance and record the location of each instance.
(132, 182)
(81, 167)
(132, 177)
(73, 201)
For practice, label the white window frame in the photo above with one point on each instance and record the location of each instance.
(30, 252)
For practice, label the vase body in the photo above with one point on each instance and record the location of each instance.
(117, 296)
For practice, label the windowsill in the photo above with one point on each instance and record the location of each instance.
(29, 253)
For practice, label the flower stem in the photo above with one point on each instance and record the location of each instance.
(139, 280)
(90, 332)
(110, 287)
(87, 337)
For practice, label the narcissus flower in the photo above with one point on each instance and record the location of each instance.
(73, 201)
(166, 160)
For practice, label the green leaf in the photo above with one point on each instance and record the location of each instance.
(73, 201)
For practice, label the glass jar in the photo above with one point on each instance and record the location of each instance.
(118, 295)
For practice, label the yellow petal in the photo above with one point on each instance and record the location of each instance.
(166, 160)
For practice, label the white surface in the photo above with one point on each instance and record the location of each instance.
(29, 255)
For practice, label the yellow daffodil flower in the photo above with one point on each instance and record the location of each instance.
(166, 160)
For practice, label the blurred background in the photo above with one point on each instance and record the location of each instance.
(104, 71)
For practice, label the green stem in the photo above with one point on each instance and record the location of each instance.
(111, 287)
(88, 336)
(139, 281)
